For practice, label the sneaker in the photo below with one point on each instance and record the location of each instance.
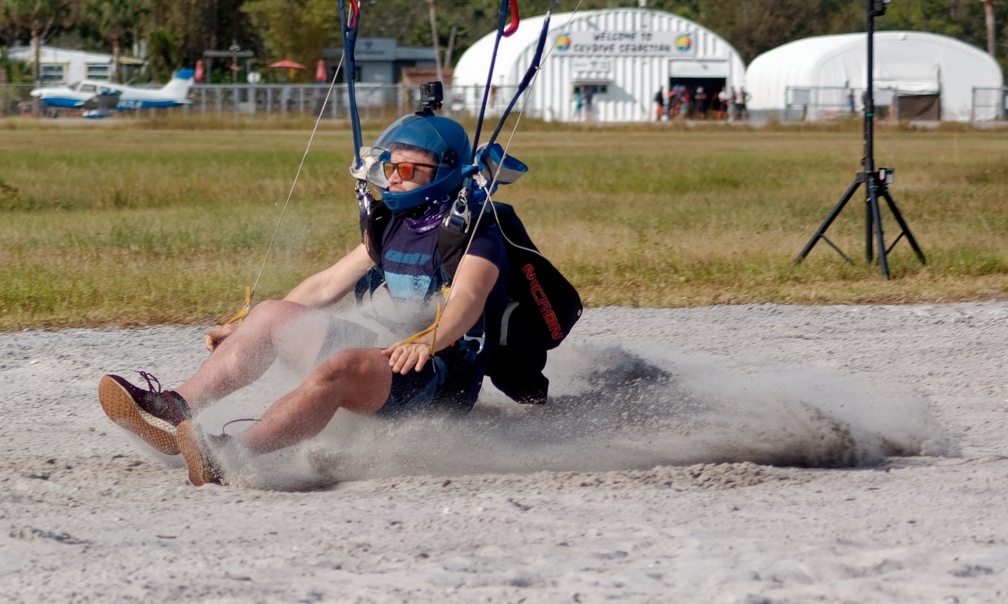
(198, 451)
(152, 414)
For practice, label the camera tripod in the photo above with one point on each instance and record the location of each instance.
(875, 181)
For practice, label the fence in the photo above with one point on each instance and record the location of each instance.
(990, 104)
(815, 104)
(15, 99)
(283, 99)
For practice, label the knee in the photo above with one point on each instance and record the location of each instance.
(267, 309)
(274, 313)
(353, 364)
(361, 377)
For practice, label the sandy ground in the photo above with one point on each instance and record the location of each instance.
(742, 454)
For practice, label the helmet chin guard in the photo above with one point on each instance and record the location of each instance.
(445, 139)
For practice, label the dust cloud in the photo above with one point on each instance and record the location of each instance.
(610, 409)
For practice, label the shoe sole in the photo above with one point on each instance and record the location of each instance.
(120, 407)
(188, 441)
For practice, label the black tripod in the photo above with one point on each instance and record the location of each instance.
(875, 181)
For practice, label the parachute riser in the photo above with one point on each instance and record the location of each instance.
(528, 77)
(507, 7)
(350, 22)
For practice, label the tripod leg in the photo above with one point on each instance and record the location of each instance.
(902, 223)
(876, 216)
(869, 224)
(829, 220)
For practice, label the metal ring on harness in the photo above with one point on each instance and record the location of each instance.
(461, 213)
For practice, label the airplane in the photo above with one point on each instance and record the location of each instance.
(98, 99)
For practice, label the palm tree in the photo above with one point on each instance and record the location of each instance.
(40, 18)
(114, 20)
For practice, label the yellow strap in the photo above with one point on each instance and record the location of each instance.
(237, 318)
(445, 290)
(432, 329)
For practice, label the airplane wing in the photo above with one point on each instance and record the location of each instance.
(101, 104)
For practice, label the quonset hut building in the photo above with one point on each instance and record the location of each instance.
(917, 75)
(619, 57)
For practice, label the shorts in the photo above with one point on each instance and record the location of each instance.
(343, 335)
(450, 381)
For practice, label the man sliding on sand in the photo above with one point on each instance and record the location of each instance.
(421, 164)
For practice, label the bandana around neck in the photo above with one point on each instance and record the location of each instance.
(425, 218)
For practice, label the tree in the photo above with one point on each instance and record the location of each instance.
(843, 17)
(200, 25)
(164, 53)
(968, 21)
(296, 29)
(755, 26)
(40, 18)
(116, 21)
(989, 19)
(946, 17)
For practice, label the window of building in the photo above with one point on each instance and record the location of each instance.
(98, 71)
(53, 73)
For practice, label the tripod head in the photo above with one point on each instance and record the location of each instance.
(877, 8)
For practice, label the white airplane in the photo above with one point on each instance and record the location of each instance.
(98, 99)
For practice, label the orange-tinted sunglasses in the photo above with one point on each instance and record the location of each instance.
(406, 169)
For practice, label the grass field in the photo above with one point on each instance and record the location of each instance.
(132, 222)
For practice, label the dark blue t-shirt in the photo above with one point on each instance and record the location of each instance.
(412, 265)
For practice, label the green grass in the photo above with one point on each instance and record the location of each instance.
(134, 222)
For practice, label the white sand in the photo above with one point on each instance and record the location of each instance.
(648, 478)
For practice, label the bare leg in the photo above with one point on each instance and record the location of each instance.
(357, 379)
(268, 331)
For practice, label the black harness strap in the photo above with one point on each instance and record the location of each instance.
(372, 226)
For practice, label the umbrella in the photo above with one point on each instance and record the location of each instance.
(288, 64)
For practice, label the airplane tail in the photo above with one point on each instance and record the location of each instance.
(178, 87)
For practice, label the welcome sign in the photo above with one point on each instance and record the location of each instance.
(627, 43)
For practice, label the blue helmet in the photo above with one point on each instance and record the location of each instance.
(443, 138)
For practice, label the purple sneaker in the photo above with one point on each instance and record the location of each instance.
(152, 414)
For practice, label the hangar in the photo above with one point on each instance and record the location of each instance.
(917, 75)
(613, 60)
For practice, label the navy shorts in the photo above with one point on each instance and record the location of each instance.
(450, 381)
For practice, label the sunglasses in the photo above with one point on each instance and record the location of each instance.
(406, 169)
